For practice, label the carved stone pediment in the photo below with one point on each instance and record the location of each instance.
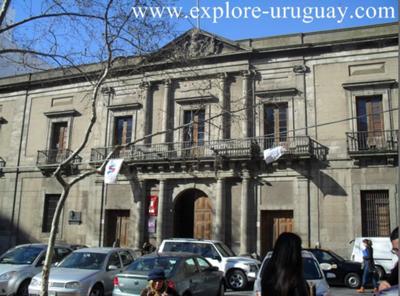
(200, 45)
(197, 43)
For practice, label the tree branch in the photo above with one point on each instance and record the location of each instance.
(3, 11)
(43, 16)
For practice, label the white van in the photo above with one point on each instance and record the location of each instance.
(384, 259)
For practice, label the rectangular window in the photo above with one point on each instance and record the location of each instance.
(193, 131)
(275, 123)
(50, 204)
(123, 130)
(58, 140)
(375, 213)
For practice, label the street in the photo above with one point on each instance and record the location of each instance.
(335, 291)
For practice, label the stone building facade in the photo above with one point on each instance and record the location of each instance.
(329, 98)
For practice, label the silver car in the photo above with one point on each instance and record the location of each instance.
(312, 273)
(238, 270)
(188, 274)
(88, 271)
(19, 264)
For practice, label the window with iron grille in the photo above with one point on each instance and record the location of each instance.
(50, 204)
(375, 213)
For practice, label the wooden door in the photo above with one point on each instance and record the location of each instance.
(117, 223)
(273, 223)
(370, 122)
(202, 226)
(58, 142)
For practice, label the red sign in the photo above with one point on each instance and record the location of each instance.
(153, 207)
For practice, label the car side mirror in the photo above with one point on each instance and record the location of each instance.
(325, 266)
(217, 257)
(211, 268)
(112, 267)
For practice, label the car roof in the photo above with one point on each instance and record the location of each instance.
(103, 250)
(40, 245)
(170, 254)
(304, 254)
(191, 240)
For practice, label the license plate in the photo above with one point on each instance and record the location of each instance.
(52, 293)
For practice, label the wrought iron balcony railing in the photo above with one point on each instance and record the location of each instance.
(54, 157)
(372, 142)
(299, 146)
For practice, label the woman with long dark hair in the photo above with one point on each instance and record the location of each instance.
(283, 274)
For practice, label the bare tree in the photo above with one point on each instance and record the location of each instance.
(69, 35)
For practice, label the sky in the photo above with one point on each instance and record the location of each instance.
(282, 17)
(232, 19)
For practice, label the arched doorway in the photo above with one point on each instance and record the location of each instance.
(193, 215)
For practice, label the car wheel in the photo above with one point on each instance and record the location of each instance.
(352, 280)
(97, 290)
(23, 288)
(381, 272)
(221, 290)
(237, 280)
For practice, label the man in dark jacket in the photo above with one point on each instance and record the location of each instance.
(394, 275)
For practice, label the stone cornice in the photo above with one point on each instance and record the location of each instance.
(124, 106)
(62, 113)
(365, 84)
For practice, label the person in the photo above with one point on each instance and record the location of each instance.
(158, 285)
(283, 275)
(394, 274)
(368, 267)
(148, 248)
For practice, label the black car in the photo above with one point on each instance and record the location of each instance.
(338, 271)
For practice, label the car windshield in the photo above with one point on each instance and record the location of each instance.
(337, 256)
(146, 264)
(225, 250)
(84, 260)
(22, 255)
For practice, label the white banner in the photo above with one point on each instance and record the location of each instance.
(112, 169)
(272, 154)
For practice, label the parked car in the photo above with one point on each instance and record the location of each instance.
(19, 264)
(312, 273)
(238, 271)
(87, 271)
(341, 271)
(187, 273)
(383, 257)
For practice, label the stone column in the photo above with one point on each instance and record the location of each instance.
(225, 106)
(166, 113)
(140, 214)
(160, 216)
(244, 214)
(246, 127)
(219, 210)
(146, 86)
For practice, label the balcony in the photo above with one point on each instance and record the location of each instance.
(372, 143)
(228, 149)
(53, 157)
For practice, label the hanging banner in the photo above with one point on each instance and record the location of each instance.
(112, 169)
(272, 154)
(153, 207)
